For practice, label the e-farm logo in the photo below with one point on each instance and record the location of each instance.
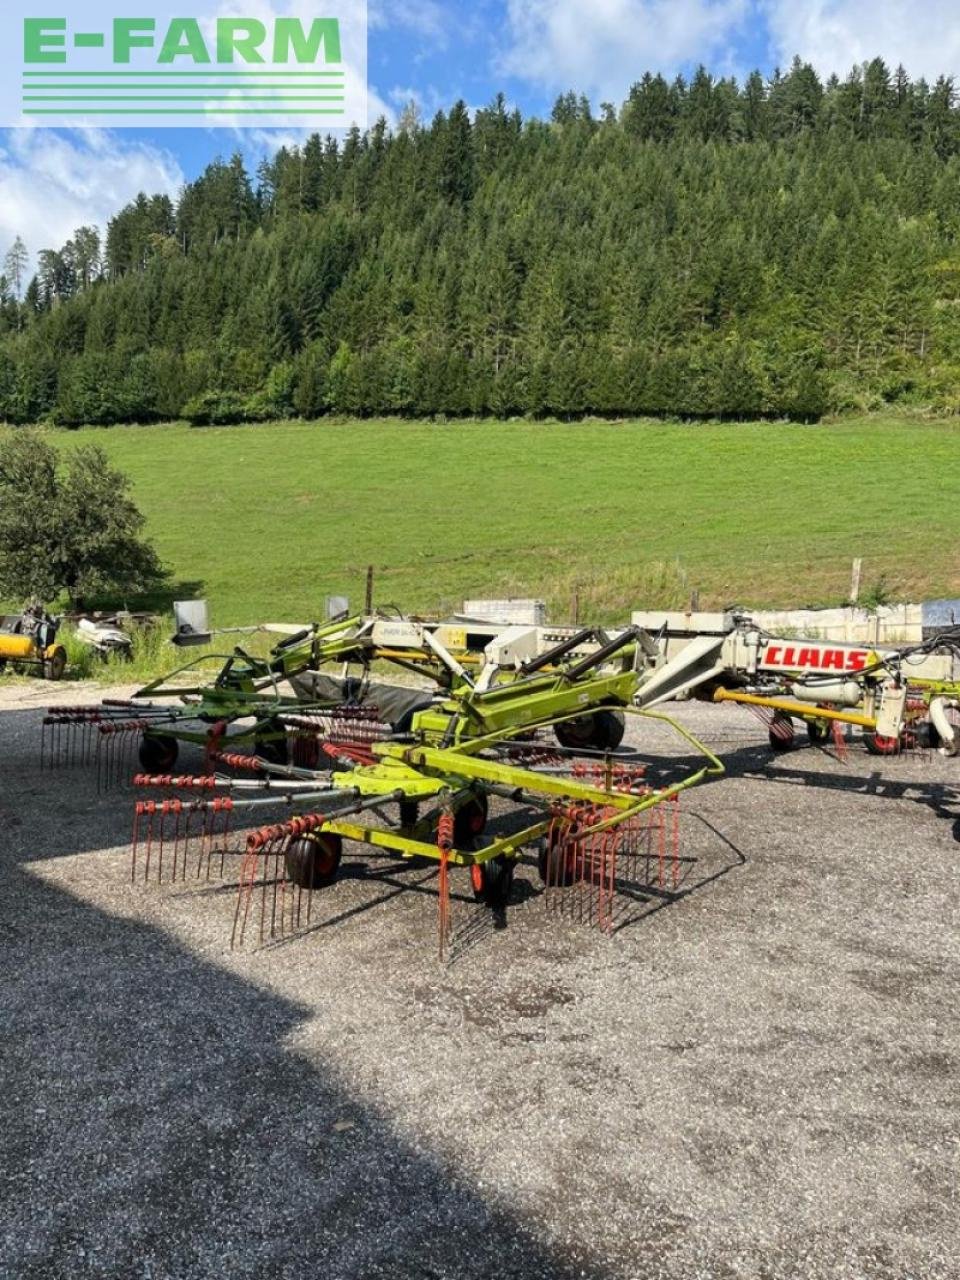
(161, 68)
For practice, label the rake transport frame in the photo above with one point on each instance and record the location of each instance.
(453, 656)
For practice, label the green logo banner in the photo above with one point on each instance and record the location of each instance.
(259, 65)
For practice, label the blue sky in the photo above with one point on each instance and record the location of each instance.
(436, 51)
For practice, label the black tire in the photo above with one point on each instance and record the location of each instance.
(577, 734)
(879, 746)
(780, 742)
(158, 752)
(601, 730)
(610, 727)
(274, 750)
(817, 732)
(55, 666)
(307, 754)
(469, 822)
(492, 881)
(313, 862)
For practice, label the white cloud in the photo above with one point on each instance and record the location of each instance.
(835, 34)
(428, 18)
(52, 183)
(606, 46)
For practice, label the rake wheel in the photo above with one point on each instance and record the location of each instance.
(313, 863)
(404, 724)
(306, 752)
(817, 733)
(469, 822)
(782, 734)
(273, 750)
(492, 881)
(158, 752)
(409, 812)
(56, 665)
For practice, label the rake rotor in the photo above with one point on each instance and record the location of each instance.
(591, 864)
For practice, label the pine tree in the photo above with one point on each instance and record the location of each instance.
(711, 249)
(15, 266)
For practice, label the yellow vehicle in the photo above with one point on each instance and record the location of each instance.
(29, 639)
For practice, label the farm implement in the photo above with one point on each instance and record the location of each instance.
(29, 640)
(307, 750)
(243, 702)
(400, 772)
(592, 813)
(896, 697)
(269, 704)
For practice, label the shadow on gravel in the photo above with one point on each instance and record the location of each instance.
(942, 798)
(859, 775)
(155, 1125)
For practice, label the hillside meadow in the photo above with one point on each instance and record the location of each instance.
(267, 520)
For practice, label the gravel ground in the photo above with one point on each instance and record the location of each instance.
(758, 1080)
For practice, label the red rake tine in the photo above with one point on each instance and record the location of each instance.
(611, 855)
(137, 815)
(161, 814)
(199, 813)
(585, 877)
(149, 809)
(279, 889)
(445, 829)
(176, 842)
(248, 874)
(226, 808)
(271, 876)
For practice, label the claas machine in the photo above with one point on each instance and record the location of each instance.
(894, 696)
(285, 779)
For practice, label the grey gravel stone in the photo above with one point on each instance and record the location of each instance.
(760, 1079)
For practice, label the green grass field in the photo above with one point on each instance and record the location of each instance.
(267, 520)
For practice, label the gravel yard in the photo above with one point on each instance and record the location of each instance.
(759, 1079)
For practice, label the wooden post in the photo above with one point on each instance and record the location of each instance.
(368, 607)
(576, 607)
(694, 600)
(855, 580)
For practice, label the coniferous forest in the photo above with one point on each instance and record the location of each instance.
(778, 247)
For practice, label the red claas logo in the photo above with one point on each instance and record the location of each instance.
(811, 658)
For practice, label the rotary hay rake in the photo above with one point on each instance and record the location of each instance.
(590, 808)
(899, 698)
(246, 696)
(600, 828)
